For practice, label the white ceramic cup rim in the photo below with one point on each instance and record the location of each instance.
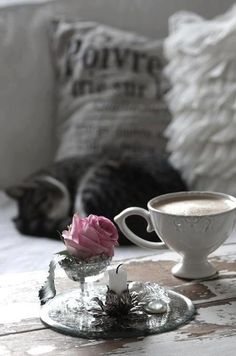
(195, 193)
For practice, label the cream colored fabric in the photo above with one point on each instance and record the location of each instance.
(202, 71)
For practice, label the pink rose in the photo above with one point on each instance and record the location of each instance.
(91, 236)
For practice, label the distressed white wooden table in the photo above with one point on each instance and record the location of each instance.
(211, 332)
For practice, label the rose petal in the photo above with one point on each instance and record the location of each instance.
(92, 245)
(77, 250)
(65, 234)
(90, 232)
(107, 226)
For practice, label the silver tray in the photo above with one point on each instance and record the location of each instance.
(71, 314)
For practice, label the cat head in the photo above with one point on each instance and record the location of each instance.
(43, 206)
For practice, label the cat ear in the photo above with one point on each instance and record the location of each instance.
(59, 194)
(53, 185)
(17, 191)
(14, 192)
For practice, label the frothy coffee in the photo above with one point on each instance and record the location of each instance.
(194, 205)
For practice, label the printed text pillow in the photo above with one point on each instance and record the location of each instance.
(110, 90)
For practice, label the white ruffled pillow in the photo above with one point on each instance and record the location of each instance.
(202, 70)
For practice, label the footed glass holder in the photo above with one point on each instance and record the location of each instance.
(81, 271)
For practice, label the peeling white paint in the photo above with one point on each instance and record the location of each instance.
(41, 350)
(165, 345)
(4, 350)
(16, 312)
(225, 252)
(218, 314)
(225, 287)
(162, 255)
(93, 343)
(222, 288)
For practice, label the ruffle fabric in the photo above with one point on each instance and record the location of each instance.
(201, 69)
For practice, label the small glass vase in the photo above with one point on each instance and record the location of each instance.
(84, 271)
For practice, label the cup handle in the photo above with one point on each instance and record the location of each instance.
(120, 220)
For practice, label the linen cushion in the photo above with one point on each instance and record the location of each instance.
(110, 90)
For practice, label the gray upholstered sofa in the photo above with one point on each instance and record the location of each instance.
(27, 95)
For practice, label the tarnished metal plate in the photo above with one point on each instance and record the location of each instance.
(69, 314)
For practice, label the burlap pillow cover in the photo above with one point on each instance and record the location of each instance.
(110, 90)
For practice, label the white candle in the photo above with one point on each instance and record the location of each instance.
(117, 280)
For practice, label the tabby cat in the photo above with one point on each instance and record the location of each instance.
(48, 199)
